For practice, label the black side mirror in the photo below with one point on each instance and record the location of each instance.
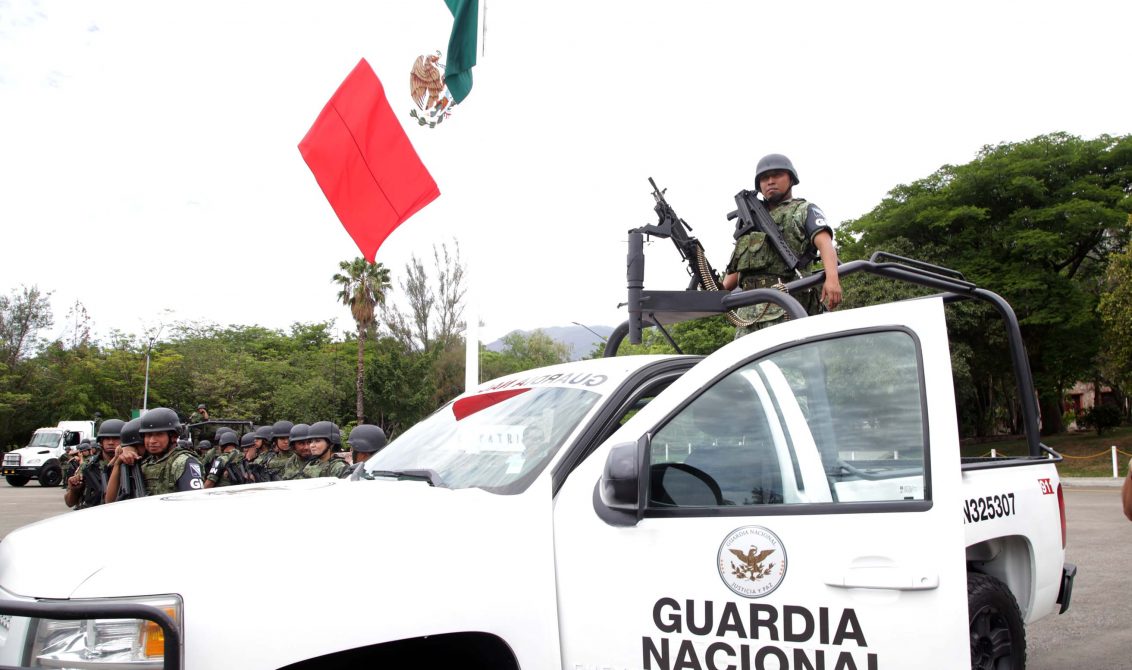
(620, 495)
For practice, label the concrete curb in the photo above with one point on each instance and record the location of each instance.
(1092, 482)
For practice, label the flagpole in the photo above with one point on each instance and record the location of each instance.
(471, 333)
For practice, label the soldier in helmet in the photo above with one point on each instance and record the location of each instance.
(217, 451)
(365, 441)
(131, 449)
(321, 460)
(87, 487)
(230, 468)
(166, 467)
(293, 469)
(280, 452)
(202, 448)
(256, 457)
(755, 263)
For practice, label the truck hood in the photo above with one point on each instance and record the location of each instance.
(368, 560)
(288, 526)
(25, 452)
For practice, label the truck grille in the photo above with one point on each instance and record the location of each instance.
(11, 459)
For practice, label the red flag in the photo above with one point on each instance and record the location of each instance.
(364, 163)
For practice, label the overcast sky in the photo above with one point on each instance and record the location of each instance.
(148, 156)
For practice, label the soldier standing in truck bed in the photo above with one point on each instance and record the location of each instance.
(755, 263)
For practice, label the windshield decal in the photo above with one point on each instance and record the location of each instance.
(467, 406)
(577, 379)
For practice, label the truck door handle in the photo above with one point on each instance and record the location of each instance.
(873, 574)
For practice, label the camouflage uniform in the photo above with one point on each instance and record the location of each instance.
(70, 465)
(760, 266)
(96, 472)
(293, 468)
(332, 467)
(275, 462)
(220, 474)
(210, 457)
(162, 473)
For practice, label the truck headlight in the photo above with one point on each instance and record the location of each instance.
(104, 643)
(34, 461)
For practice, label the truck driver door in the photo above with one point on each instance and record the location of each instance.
(797, 509)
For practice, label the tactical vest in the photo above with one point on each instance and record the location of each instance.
(276, 461)
(755, 258)
(95, 477)
(161, 474)
(332, 467)
(293, 468)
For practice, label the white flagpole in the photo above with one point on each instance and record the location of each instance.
(471, 333)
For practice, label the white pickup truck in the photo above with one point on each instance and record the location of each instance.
(40, 459)
(795, 500)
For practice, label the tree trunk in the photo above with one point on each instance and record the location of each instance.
(361, 371)
(1050, 407)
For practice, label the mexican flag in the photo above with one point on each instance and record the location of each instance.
(462, 43)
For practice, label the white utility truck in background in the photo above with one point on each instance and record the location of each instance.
(40, 459)
(796, 499)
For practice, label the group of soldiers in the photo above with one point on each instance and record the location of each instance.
(147, 456)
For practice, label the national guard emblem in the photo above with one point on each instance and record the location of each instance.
(429, 92)
(752, 561)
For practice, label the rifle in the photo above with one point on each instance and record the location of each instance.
(672, 227)
(753, 215)
(132, 484)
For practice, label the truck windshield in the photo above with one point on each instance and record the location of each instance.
(498, 441)
(48, 439)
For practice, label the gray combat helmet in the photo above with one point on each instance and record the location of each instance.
(228, 437)
(367, 438)
(321, 430)
(264, 433)
(110, 428)
(160, 420)
(281, 429)
(775, 162)
(299, 432)
(131, 433)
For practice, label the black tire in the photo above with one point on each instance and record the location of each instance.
(51, 475)
(998, 635)
(16, 480)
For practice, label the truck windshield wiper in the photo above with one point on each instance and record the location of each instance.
(425, 475)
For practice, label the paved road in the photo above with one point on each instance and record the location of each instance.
(1095, 634)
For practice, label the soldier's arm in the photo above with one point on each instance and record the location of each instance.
(74, 489)
(831, 288)
(114, 481)
(1126, 493)
(190, 479)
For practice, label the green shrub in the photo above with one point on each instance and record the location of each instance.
(1101, 418)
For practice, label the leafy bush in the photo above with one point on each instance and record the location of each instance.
(1101, 418)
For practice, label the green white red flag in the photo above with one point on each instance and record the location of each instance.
(364, 163)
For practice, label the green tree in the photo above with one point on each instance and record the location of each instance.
(1034, 221)
(698, 337)
(522, 352)
(1115, 310)
(362, 286)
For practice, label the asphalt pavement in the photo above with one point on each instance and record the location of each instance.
(1091, 635)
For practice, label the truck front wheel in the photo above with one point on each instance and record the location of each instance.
(16, 480)
(50, 475)
(998, 635)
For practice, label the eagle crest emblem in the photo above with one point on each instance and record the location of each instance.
(750, 566)
(752, 561)
(429, 92)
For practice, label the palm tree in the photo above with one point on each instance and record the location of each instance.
(362, 287)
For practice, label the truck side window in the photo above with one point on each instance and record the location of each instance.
(837, 420)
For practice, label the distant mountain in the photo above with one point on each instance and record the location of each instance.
(580, 340)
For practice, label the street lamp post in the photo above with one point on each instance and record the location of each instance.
(149, 348)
